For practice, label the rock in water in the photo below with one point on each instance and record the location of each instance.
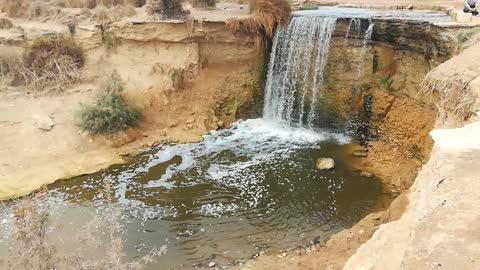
(325, 163)
(360, 153)
(366, 174)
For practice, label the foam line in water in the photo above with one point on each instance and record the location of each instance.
(255, 140)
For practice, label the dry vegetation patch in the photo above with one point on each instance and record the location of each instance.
(34, 233)
(203, 3)
(50, 62)
(266, 16)
(5, 23)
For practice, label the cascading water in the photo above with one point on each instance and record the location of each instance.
(296, 71)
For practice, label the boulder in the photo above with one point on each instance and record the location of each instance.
(44, 123)
(360, 153)
(366, 174)
(325, 163)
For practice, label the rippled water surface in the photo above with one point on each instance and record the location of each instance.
(239, 191)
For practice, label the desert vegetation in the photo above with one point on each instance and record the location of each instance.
(5, 23)
(49, 62)
(266, 16)
(109, 112)
(203, 3)
(33, 229)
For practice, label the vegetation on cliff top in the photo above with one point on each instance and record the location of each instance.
(267, 14)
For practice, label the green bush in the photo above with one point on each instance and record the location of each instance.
(109, 113)
(465, 35)
(309, 7)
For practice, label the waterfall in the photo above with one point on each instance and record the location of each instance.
(296, 70)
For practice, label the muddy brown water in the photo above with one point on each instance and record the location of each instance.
(223, 200)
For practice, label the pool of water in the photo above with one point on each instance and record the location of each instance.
(241, 190)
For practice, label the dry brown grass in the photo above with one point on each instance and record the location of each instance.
(50, 63)
(115, 13)
(167, 8)
(14, 8)
(34, 231)
(28, 8)
(203, 3)
(453, 99)
(267, 15)
(91, 4)
(5, 23)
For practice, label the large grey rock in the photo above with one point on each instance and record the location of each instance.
(44, 123)
(325, 163)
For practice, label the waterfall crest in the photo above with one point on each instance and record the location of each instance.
(296, 70)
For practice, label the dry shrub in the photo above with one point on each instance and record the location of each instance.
(168, 8)
(453, 99)
(90, 4)
(33, 232)
(5, 23)
(115, 13)
(267, 15)
(203, 3)
(15, 8)
(30, 230)
(50, 62)
(137, 3)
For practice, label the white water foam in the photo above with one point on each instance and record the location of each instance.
(255, 140)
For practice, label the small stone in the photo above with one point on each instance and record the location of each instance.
(361, 232)
(163, 132)
(360, 153)
(211, 264)
(366, 174)
(191, 120)
(220, 123)
(325, 163)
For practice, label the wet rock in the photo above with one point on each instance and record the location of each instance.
(44, 123)
(366, 174)
(360, 153)
(325, 163)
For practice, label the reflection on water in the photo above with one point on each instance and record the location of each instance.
(240, 190)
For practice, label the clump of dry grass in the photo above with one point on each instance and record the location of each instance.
(267, 15)
(28, 8)
(33, 233)
(203, 3)
(14, 8)
(5, 23)
(30, 230)
(453, 99)
(50, 62)
(114, 13)
(167, 8)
